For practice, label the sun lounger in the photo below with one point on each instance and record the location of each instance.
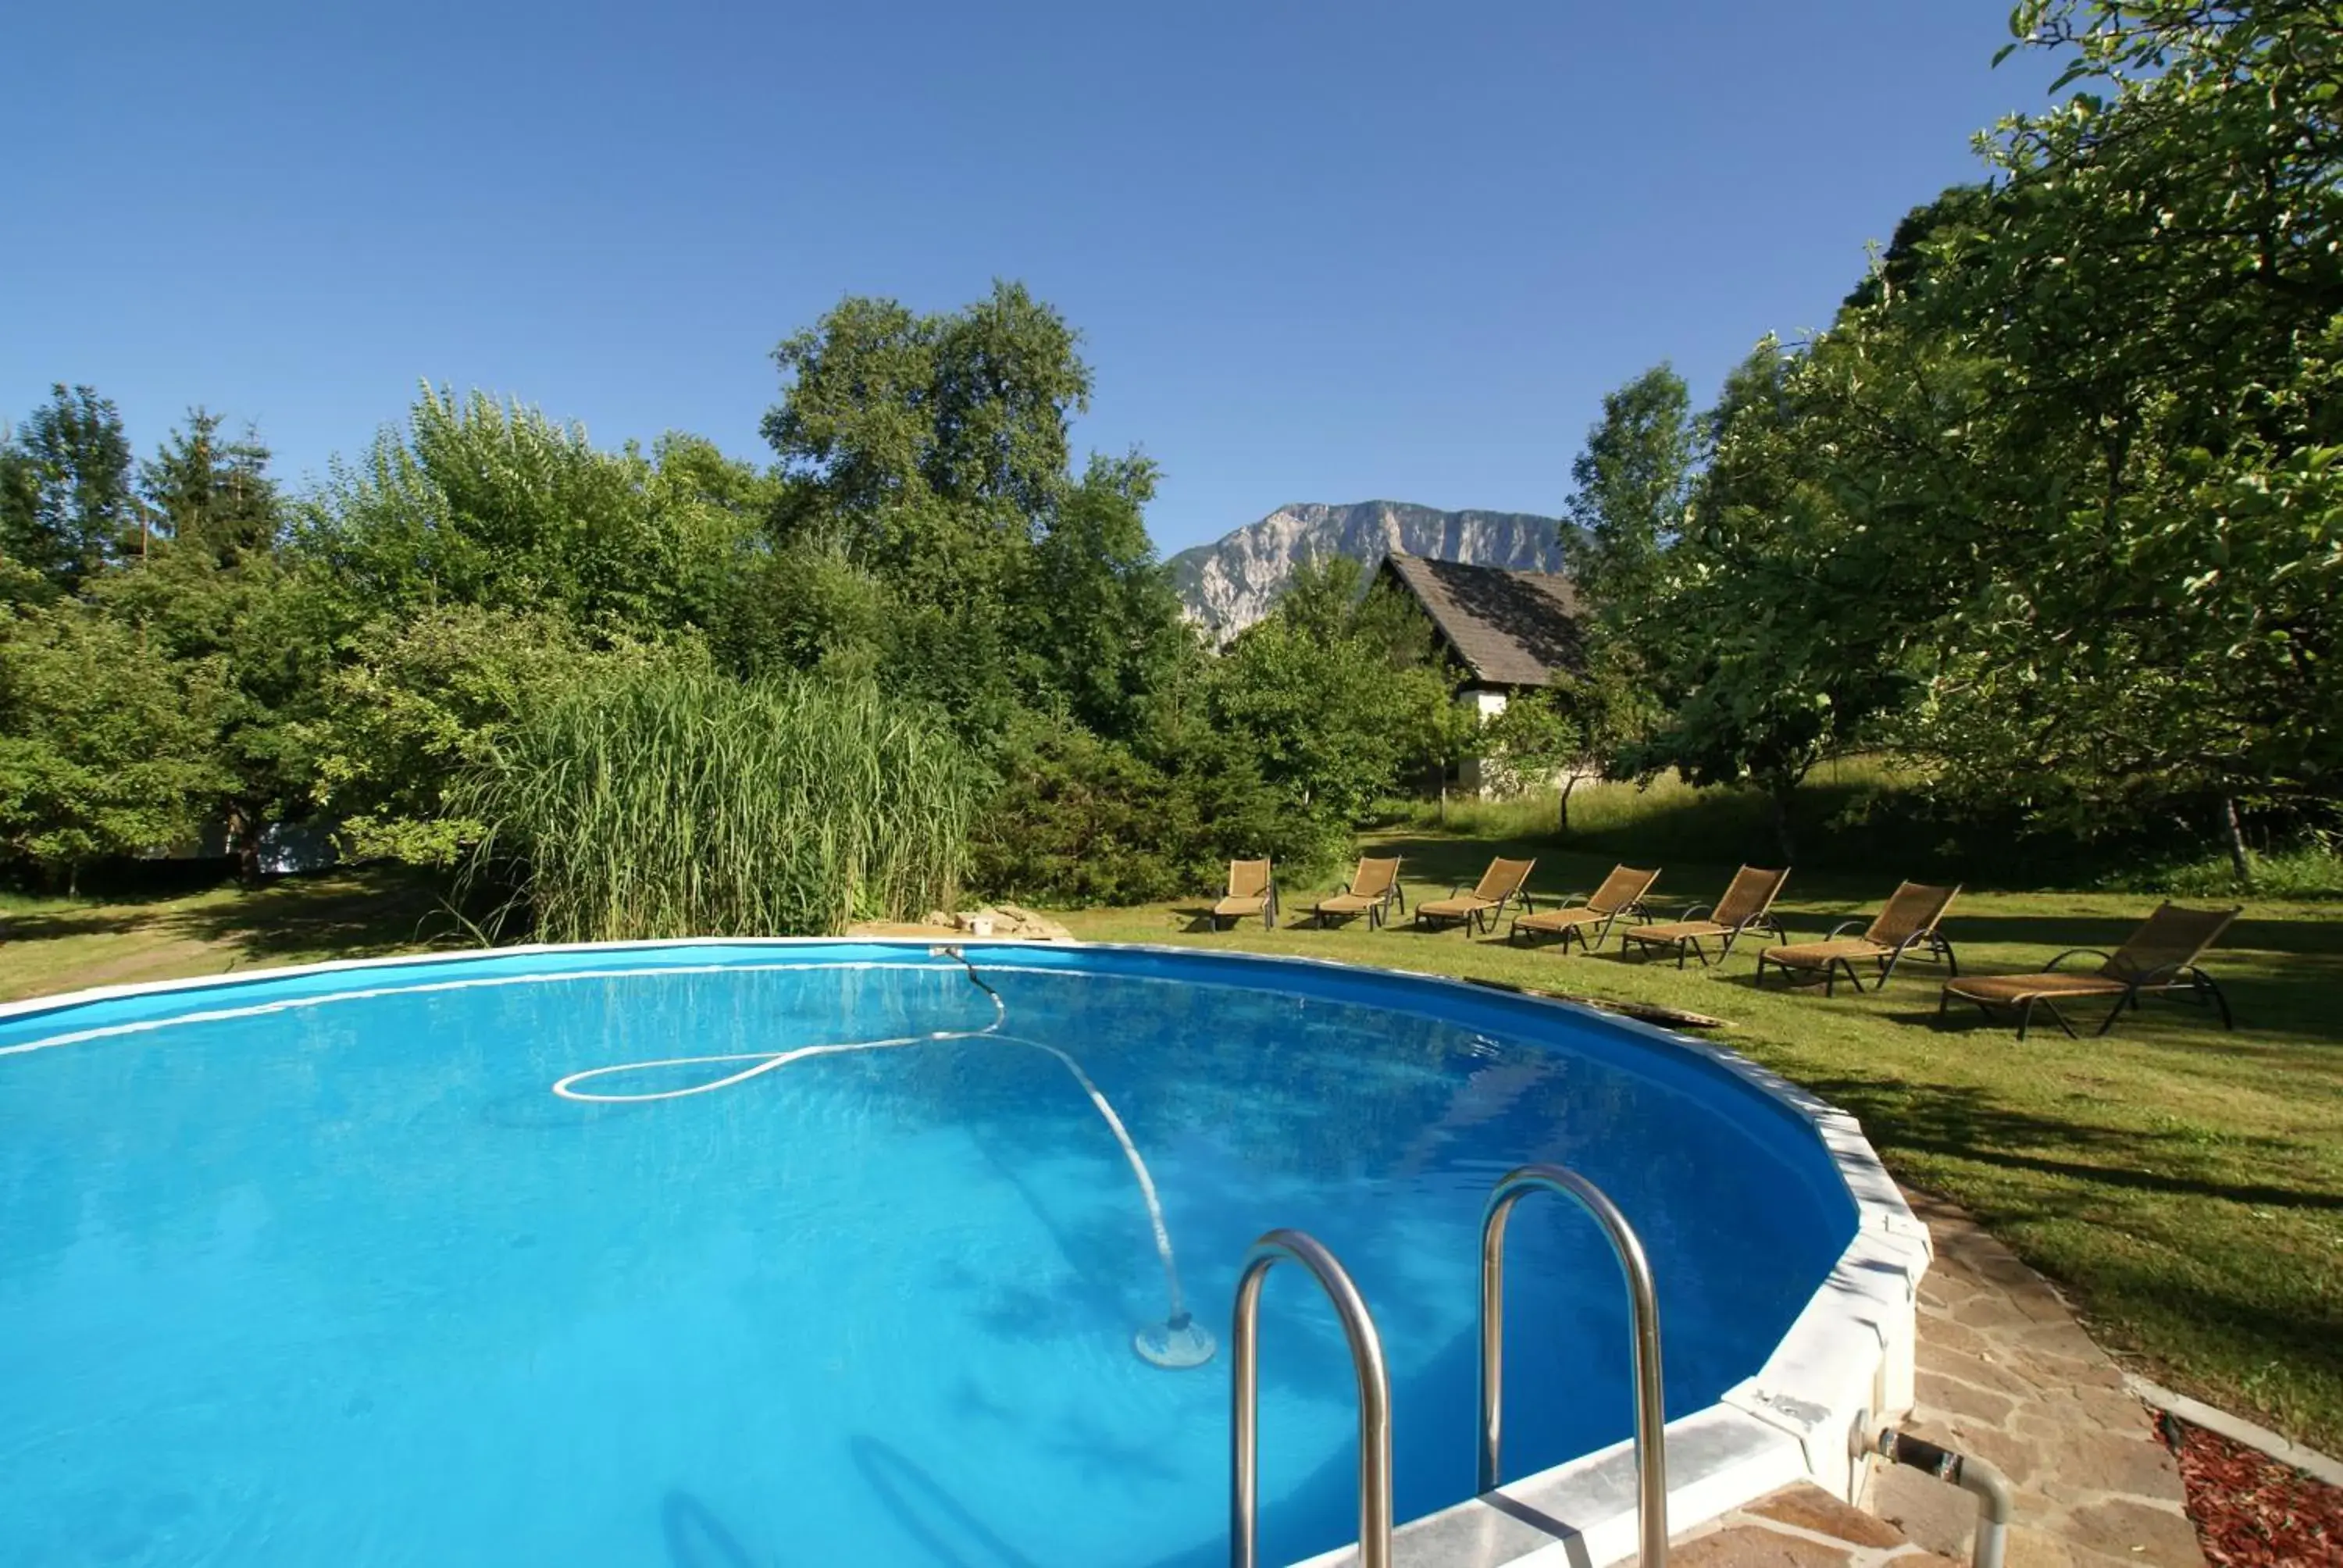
(1908, 923)
(1253, 890)
(1588, 918)
(1500, 884)
(2159, 959)
(1375, 889)
(1747, 904)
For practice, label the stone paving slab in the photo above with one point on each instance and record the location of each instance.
(1801, 1526)
(2007, 1373)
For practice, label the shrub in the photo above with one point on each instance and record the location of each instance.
(1077, 819)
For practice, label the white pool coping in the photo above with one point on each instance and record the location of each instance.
(1845, 1362)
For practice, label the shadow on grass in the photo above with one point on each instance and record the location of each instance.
(1967, 1123)
(357, 913)
(351, 914)
(2168, 1235)
(2295, 1339)
(62, 924)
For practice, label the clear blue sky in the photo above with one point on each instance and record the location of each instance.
(1326, 252)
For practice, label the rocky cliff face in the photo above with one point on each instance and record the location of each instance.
(1230, 584)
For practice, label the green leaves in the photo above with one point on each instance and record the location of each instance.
(66, 505)
(931, 454)
(2050, 508)
(1631, 485)
(105, 747)
(929, 448)
(1335, 694)
(496, 504)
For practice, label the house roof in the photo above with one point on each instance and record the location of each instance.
(1506, 628)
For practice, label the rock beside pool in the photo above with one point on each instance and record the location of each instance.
(1013, 920)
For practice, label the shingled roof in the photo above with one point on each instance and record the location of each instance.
(1506, 628)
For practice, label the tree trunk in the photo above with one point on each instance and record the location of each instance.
(1780, 795)
(244, 842)
(1561, 819)
(2233, 834)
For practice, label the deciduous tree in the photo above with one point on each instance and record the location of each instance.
(66, 504)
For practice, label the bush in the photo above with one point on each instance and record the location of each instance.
(105, 748)
(420, 701)
(668, 799)
(1081, 820)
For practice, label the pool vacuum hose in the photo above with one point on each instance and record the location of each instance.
(1177, 1341)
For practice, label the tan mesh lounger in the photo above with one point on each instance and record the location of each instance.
(1747, 902)
(1500, 884)
(1251, 891)
(1908, 921)
(2159, 959)
(1374, 888)
(1620, 894)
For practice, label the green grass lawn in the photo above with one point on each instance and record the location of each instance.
(2185, 1184)
(58, 944)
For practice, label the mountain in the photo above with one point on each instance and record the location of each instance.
(1230, 584)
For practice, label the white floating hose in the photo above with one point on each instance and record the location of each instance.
(1177, 1341)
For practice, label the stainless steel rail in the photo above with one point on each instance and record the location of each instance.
(1651, 1411)
(1375, 1397)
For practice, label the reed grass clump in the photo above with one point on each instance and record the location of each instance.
(669, 799)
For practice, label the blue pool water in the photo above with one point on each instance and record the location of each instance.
(291, 1277)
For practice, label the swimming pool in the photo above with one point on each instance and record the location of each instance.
(317, 1267)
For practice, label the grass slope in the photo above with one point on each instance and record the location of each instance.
(2185, 1184)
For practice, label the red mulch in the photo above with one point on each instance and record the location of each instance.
(2252, 1512)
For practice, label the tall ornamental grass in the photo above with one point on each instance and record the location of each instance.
(669, 801)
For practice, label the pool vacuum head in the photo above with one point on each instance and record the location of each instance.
(1176, 1345)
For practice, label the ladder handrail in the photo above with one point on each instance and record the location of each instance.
(1375, 1396)
(1651, 1409)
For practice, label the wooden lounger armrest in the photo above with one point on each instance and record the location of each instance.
(2078, 952)
(1694, 911)
(1840, 930)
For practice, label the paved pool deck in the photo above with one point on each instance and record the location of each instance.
(2007, 1373)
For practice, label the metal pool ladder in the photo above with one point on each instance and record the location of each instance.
(1643, 1308)
(1375, 1396)
(1375, 1382)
